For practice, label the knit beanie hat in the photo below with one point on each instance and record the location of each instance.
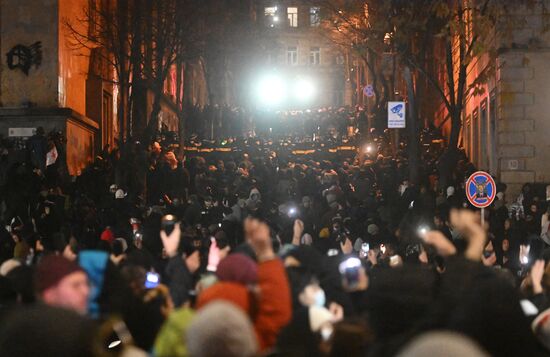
(442, 343)
(107, 235)
(238, 268)
(51, 270)
(221, 329)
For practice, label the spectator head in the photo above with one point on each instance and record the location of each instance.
(191, 253)
(373, 229)
(120, 194)
(46, 331)
(306, 290)
(306, 239)
(221, 329)
(442, 344)
(119, 246)
(170, 158)
(450, 191)
(61, 282)
(156, 148)
(107, 235)
(238, 268)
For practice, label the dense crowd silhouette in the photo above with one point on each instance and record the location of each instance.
(285, 242)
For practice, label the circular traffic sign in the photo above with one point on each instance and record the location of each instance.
(481, 189)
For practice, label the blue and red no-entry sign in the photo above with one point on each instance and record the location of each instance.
(481, 189)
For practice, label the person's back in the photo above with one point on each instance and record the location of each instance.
(46, 331)
(37, 147)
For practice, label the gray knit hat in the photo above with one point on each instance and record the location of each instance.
(221, 329)
(442, 343)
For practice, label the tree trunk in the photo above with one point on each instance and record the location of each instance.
(153, 125)
(121, 112)
(455, 128)
(413, 147)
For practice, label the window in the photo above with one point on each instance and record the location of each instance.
(314, 16)
(484, 153)
(292, 55)
(493, 131)
(474, 156)
(270, 11)
(271, 17)
(314, 56)
(106, 118)
(339, 59)
(467, 135)
(292, 13)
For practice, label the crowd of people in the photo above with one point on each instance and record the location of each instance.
(252, 253)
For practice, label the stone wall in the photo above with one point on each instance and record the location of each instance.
(524, 117)
(24, 22)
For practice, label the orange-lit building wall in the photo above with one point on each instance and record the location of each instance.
(73, 66)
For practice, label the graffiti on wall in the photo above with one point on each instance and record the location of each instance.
(24, 57)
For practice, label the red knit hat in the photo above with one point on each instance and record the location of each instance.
(238, 268)
(51, 270)
(108, 235)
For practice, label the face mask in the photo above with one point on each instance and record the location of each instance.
(319, 298)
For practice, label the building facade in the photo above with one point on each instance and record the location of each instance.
(47, 80)
(505, 129)
(43, 84)
(295, 47)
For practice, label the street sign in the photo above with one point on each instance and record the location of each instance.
(481, 189)
(21, 132)
(368, 90)
(396, 115)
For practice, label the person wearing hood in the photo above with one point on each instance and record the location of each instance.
(254, 201)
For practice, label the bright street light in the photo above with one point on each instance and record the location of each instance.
(271, 90)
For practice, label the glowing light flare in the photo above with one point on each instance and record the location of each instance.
(304, 90)
(271, 90)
